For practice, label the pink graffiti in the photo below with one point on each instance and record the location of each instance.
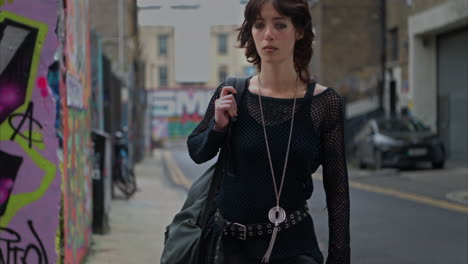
(5, 187)
(42, 85)
(185, 118)
(9, 95)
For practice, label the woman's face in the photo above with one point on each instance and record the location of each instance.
(274, 35)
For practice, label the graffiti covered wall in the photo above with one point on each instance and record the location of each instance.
(77, 148)
(175, 113)
(29, 177)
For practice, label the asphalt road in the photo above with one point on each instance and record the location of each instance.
(385, 228)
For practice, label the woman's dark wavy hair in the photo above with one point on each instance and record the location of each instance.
(298, 11)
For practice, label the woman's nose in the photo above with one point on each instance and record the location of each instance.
(269, 32)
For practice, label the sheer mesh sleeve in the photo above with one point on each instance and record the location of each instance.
(204, 142)
(335, 180)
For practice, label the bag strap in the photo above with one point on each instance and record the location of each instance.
(240, 84)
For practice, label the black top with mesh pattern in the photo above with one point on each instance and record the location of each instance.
(247, 191)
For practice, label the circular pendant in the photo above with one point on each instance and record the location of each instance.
(277, 215)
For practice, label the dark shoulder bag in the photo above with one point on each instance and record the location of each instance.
(183, 243)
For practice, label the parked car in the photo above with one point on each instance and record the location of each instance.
(397, 142)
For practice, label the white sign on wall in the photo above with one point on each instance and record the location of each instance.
(178, 103)
(74, 92)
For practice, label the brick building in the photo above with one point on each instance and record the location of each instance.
(346, 47)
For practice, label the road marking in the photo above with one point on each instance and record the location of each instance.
(175, 173)
(459, 196)
(406, 196)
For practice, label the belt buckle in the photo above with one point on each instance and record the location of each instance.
(243, 231)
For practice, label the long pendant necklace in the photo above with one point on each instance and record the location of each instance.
(276, 215)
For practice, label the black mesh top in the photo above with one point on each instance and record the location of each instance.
(247, 194)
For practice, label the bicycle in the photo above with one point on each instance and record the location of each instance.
(124, 177)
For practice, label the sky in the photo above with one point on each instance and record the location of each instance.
(192, 35)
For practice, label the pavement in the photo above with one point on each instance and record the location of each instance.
(137, 225)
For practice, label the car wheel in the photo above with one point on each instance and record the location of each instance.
(438, 164)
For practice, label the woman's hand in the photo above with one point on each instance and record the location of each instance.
(225, 108)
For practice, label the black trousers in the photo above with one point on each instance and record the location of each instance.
(233, 255)
(239, 259)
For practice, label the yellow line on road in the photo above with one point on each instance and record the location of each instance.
(176, 174)
(407, 196)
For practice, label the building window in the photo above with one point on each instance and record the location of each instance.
(222, 73)
(394, 44)
(162, 44)
(163, 76)
(222, 43)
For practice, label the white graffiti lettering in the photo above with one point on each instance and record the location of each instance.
(177, 103)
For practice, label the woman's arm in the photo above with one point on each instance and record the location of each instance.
(335, 180)
(204, 142)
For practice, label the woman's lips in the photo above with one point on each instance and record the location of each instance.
(270, 49)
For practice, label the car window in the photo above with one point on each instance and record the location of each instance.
(367, 130)
(402, 125)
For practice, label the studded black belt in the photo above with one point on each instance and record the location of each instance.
(247, 231)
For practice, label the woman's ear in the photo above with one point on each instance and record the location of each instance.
(299, 34)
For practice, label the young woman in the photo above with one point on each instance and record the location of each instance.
(287, 126)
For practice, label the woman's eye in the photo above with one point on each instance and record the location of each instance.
(280, 26)
(277, 26)
(258, 25)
